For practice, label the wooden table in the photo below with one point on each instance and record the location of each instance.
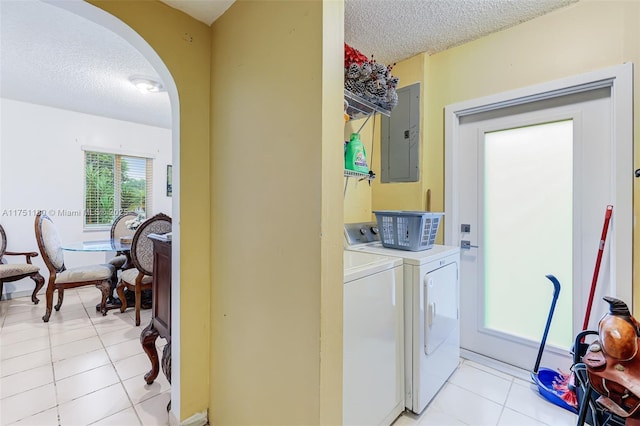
(160, 325)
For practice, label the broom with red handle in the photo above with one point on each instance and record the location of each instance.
(594, 280)
(570, 396)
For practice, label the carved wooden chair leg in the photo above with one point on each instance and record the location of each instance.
(60, 299)
(49, 297)
(105, 288)
(138, 301)
(123, 298)
(39, 280)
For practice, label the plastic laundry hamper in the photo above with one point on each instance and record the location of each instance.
(408, 230)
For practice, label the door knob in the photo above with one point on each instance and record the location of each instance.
(466, 245)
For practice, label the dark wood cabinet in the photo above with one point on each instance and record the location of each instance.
(160, 325)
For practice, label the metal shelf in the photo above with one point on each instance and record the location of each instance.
(360, 175)
(360, 107)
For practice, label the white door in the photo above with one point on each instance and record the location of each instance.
(533, 182)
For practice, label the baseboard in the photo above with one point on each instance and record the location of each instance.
(496, 365)
(17, 294)
(198, 419)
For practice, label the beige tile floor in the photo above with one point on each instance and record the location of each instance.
(481, 395)
(80, 368)
(85, 369)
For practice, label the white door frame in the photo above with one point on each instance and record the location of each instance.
(620, 80)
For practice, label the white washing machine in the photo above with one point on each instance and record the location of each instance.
(373, 339)
(432, 320)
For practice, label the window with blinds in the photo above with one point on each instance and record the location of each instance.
(115, 184)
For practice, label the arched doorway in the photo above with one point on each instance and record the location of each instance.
(112, 24)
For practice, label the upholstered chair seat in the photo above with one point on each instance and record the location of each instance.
(60, 277)
(130, 276)
(10, 272)
(85, 273)
(140, 277)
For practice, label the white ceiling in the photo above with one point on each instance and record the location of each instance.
(72, 63)
(53, 57)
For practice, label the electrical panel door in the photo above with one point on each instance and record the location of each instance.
(400, 140)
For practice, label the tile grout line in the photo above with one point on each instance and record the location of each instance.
(112, 362)
(93, 325)
(53, 374)
(504, 403)
(512, 383)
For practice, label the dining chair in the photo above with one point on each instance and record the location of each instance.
(140, 276)
(16, 271)
(61, 278)
(119, 229)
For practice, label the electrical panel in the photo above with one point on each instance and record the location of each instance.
(400, 139)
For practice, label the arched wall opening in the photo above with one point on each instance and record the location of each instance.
(112, 23)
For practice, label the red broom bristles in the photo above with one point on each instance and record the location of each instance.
(561, 386)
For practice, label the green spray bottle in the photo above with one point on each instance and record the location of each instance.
(355, 157)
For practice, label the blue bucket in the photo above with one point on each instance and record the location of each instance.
(545, 378)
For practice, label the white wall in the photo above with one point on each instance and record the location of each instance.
(41, 168)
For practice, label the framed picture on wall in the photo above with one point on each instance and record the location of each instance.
(169, 180)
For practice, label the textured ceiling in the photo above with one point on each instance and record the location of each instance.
(391, 31)
(53, 57)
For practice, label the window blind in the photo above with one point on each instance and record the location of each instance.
(99, 188)
(115, 184)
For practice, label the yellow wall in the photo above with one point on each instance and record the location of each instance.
(277, 212)
(586, 36)
(262, 204)
(189, 63)
(332, 270)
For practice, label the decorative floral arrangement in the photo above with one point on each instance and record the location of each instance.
(369, 79)
(135, 222)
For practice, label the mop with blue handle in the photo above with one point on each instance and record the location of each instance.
(551, 383)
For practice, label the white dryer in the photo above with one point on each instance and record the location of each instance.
(431, 320)
(373, 339)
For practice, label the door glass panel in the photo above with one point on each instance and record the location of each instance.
(528, 232)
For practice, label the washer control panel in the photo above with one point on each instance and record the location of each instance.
(361, 233)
